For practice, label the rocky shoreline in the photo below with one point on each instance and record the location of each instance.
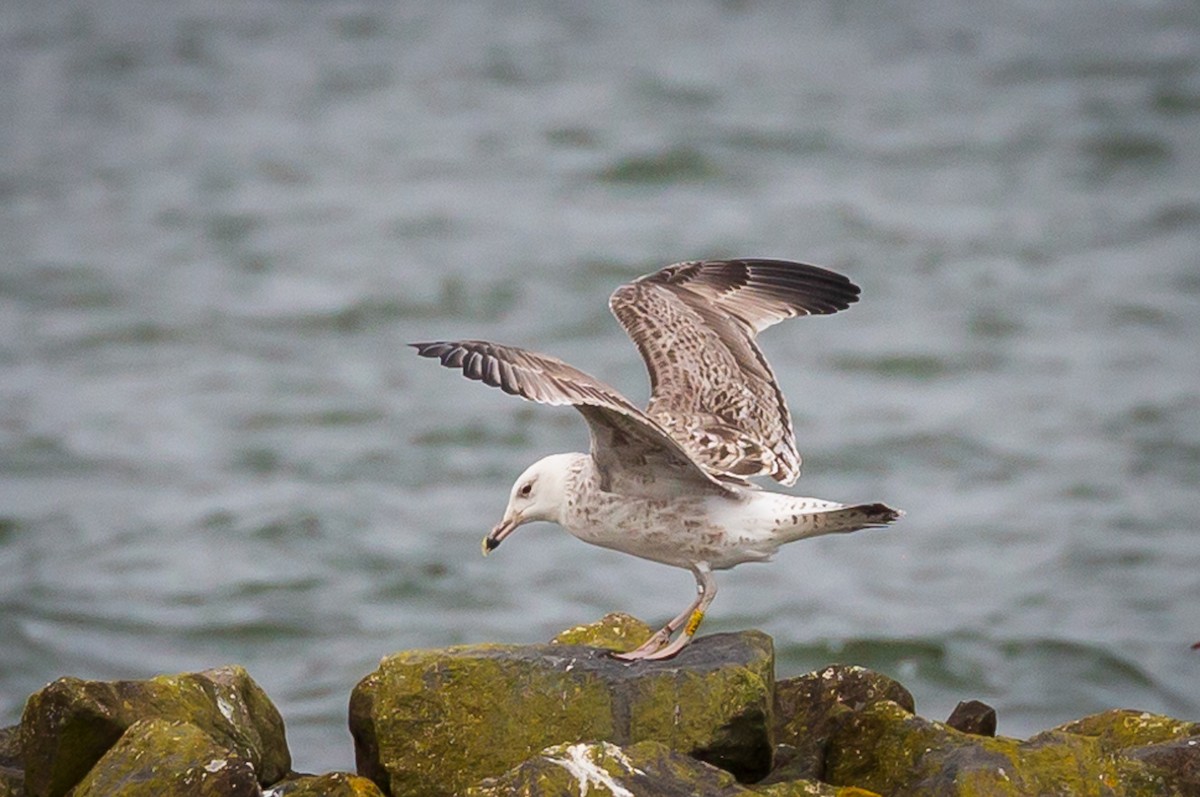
(564, 718)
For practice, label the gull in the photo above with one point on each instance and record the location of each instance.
(670, 483)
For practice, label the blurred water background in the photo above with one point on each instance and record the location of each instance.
(221, 222)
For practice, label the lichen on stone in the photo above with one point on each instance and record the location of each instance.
(431, 722)
(614, 631)
(164, 758)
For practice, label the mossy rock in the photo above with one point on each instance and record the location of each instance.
(68, 725)
(434, 722)
(646, 769)
(332, 784)
(973, 716)
(808, 788)
(166, 758)
(810, 707)
(1168, 748)
(1174, 763)
(12, 782)
(615, 631)
(10, 747)
(1121, 729)
(12, 772)
(886, 749)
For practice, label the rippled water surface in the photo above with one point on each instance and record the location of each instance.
(222, 222)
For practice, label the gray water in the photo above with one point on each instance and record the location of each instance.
(221, 222)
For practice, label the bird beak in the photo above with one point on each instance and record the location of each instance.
(505, 527)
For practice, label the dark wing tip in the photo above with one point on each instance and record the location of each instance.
(476, 359)
(431, 349)
(807, 289)
(814, 289)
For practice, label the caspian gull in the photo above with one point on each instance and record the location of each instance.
(669, 483)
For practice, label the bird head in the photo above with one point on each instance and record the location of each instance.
(538, 494)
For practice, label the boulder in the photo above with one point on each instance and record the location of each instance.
(973, 716)
(886, 749)
(434, 722)
(332, 784)
(645, 769)
(169, 758)
(68, 725)
(811, 707)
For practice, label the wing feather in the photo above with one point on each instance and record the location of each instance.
(630, 448)
(695, 324)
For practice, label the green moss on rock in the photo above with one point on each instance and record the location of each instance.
(647, 769)
(810, 707)
(332, 784)
(163, 758)
(615, 631)
(809, 788)
(68, 725)
(434, 722)
(886, 749)
(1120, 729)
(1168, 749)
(429, 722)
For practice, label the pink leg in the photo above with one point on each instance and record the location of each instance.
(660, 637)
(657, 647)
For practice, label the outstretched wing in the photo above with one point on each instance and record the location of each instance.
(710, 385)
(632, 451)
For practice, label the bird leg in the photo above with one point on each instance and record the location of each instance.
(660, 637)
(657, 647)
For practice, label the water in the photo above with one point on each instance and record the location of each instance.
(222, 222)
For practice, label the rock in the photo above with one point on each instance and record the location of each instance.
(67, 726)
(12, 782)
(1168, 748)
(808, 788)
(809, 708)
(889, 750)
(1176, 763)
(437, 721)
(333, 784)
(1120, 729)
(646, 769)
(615, 631)
(972, 716)
(10, 747)
(169, 758)
(12, 772)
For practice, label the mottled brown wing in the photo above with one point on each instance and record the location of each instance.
(631, 450)
(711, 387)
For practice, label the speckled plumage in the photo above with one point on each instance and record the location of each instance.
(668, 484)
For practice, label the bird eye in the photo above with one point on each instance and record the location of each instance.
(526, 489)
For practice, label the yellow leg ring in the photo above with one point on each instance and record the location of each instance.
(693, 623)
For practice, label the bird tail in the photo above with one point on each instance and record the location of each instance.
(842, 519)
